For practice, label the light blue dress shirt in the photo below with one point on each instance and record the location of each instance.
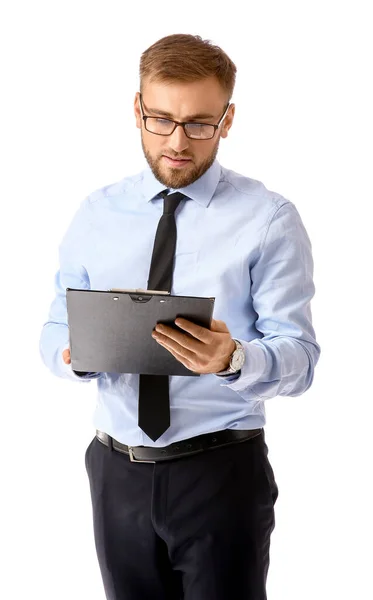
(236, 241)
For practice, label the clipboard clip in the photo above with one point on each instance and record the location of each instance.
(140, 295)
(141, 291)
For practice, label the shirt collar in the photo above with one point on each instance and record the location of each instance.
(201, 190)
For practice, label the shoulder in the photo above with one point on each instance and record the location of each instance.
(125, 186)
(253, 191)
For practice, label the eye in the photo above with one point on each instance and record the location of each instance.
(195, 126)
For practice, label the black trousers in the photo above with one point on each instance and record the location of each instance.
(196, 528)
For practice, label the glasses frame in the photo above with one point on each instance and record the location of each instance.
(182, 123)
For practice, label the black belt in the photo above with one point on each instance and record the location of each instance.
(184, 448)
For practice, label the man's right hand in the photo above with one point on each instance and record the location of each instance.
(67, 360)
(66, 357)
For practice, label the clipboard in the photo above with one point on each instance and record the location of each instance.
(111, 330)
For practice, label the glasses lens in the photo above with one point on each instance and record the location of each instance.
(160, 126)
(199, 131)
(195, 131)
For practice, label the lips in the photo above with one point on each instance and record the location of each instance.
(178, 162)
(176, 159)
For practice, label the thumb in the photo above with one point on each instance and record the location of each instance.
(66, 357)
(218, 326)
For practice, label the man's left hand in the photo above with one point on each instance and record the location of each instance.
(208, 351)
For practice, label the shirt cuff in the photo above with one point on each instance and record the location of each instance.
(252, 370)
(85, 375)
(228, 378)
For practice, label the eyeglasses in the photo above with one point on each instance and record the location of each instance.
(194, 131)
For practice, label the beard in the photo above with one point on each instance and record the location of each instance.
(178, 178)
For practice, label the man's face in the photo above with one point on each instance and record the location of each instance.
(202, 101)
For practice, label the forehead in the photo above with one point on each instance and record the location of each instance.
(203, 99)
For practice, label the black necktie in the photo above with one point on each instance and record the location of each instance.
(154, 402)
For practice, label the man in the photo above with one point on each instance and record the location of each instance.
(193, 520)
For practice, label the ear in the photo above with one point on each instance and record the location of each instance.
(228, 121)
(137, 110)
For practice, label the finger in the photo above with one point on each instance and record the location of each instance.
(181, 340)
(176, 349)
(219, 326)
(66, 357)
(180, 358)
(197, 331)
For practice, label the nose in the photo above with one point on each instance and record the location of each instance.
(178, 140)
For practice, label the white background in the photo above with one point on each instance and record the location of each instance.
(303, 127)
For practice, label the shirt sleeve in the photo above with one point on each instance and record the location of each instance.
(54, 337)
(281, 360)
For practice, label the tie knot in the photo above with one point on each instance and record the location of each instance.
(171, 201)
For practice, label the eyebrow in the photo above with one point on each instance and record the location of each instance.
(164, 113)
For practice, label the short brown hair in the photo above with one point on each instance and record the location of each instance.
(184, 57)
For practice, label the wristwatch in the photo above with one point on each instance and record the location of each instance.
(237, 360)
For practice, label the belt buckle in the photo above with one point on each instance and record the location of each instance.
(134, 459)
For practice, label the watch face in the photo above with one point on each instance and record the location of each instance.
(238, 359)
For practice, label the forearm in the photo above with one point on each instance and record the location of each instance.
(278, 367)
